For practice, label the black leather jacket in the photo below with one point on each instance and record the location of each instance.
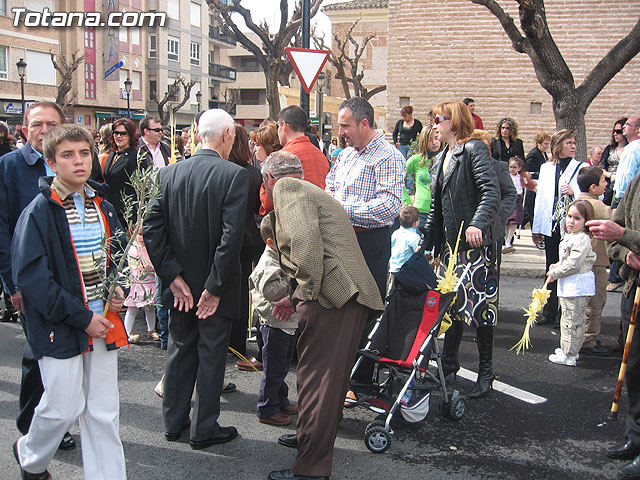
(469, 193)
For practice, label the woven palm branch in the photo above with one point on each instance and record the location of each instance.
(539, 297)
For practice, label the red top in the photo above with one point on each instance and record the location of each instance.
(477, 121)
(314, 165)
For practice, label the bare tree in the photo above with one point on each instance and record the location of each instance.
(570, 103)
(66, 69)
(231, 98)
(271, 54)
(348, 68)
(164, 104)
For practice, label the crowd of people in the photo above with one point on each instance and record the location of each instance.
(312, 237)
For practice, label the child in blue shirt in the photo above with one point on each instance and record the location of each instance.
(404, 241)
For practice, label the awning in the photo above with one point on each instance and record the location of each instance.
(117, 115)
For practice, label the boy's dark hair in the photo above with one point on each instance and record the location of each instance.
(589, 176)
(408, 216)
(146, 122)
(295, 116)
(360, 108)
(74, 133)
(468, 100)
(585, 209)
(266, 230)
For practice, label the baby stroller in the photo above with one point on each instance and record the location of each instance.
(401, 345)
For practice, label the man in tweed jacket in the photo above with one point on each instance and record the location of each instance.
(335, 296)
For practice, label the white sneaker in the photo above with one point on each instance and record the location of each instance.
(559, 351)
(561, 359)
(159, 388)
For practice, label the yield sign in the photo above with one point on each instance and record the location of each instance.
(308, 64)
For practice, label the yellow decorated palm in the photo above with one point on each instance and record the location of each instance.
(539, 297)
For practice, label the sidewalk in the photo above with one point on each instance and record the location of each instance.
(526, 261)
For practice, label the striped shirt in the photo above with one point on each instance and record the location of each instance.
(368, 183)
(87, 231)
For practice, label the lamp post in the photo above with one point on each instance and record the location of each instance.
(22, 67)
(199, 100)
(320, 82)
(127, 88)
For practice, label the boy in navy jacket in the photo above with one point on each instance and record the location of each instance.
(56, 240)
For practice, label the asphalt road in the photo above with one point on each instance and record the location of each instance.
(500, 437)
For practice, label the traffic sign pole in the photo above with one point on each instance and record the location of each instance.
(306, 39)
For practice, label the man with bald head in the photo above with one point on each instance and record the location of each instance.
(629, 165)
(20, 171)
(193, 235)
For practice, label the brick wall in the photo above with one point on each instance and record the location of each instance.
(450, 49)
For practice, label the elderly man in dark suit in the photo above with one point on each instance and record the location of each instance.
(193, 235)
(335, 296)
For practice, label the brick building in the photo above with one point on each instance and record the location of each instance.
(452, 49)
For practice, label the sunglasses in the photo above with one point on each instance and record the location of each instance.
(440, 118)
(117, 133)
(157, 130)
(618, 131)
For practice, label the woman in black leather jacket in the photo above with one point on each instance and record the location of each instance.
(466, 193)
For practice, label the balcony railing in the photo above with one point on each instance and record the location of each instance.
(218, 104)
(217, 34)
(222, 72)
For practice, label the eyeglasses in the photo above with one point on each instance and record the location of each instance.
(157, 130)
(280, 123)
(440, 118)
(117, 133)
(618, 131)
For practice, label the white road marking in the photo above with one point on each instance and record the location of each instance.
(507, 389)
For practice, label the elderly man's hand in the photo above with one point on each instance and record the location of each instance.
(633, 261)
(283, 309)
(605, 230)
(207, 305)
(182, 298)
(16, 301)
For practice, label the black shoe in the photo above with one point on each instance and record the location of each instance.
(595, 351)
(545, 320)
(631, 471)
(229, 388)
(172, 437)
(288, 440)
(626, 451)
(67, 443)
(226, 435)
(26, 475)
(288, 475)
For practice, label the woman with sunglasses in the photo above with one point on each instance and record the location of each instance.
(611, 157)
(466, 195)
(506, 143)
(121, 163)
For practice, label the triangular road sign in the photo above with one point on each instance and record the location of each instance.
(308, 64)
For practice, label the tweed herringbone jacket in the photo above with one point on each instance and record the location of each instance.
(318, 246)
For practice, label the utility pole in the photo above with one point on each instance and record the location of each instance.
(306, 42)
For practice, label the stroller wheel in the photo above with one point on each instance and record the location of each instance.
(377, 439)
(375, 423)
(457, 407)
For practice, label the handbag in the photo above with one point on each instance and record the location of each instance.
(562, 205)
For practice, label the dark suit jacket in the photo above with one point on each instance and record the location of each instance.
(535, 159)
(164, 148)
(251, 236)
(195, 226)
(117, 175)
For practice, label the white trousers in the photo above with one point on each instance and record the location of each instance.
(84, 387)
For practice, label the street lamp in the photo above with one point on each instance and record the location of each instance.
(199, 100)
(22, 67)
(320, 82)
(127, 88)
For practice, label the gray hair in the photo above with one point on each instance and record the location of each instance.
(280, 164)
(360, 109)
(213, 123)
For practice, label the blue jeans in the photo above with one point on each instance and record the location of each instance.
(404, 150)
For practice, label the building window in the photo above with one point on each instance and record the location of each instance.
(153, 46)
(89, 38)
(195, 14)
(535, 108)
(404, 101)
(195, 53)
(153, 86)
(87, 120)
(249, 97)
(40, 68)
(173, 9)
(136, 81)
(4, 60)
(249, 64)
(173, 48)
(89, 80)
(3, 8)
(123, 34)
(135, 36)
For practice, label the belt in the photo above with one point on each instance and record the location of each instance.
(364, 229)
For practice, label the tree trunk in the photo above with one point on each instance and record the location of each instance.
(273, 94)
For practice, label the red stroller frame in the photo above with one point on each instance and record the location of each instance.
(402, 342)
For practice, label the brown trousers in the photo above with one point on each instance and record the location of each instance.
(326, 352)
(595, 307)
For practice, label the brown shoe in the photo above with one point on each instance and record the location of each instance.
(153, 335)
(351, 396)
(134, 339)
(291, 409)
(279, 420)
(612, 287)
(248, 366)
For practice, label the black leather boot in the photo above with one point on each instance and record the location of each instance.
(484, 339)
(452, 339)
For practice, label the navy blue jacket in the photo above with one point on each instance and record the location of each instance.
(46, 271)
(19, 174)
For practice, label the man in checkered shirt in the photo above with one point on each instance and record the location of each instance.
(367, 180)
